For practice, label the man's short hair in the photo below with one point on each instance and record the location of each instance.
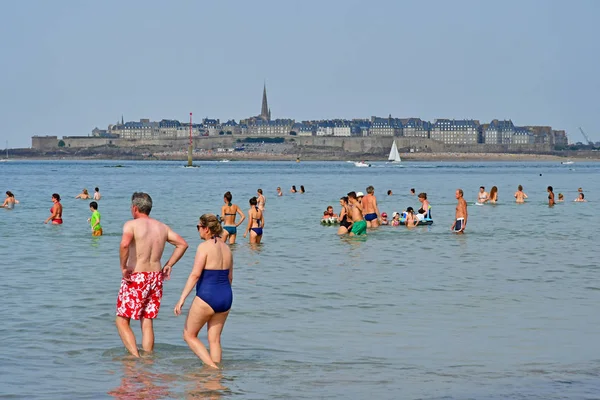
(352, 195)
(461, 192)
(94, 205)
(142, 201)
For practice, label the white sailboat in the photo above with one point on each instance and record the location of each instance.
(394, 155)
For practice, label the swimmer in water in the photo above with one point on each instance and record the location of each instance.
(84, 195)
(9, 201)
(97, 195)
(520, 196)
(412, 191)
(389, 193)
(359, 225)
(425, 210)
(493, 195)
(256, 222)
(261, 199)
(229, 212)
(370, 209)
(94, 220)
(302, 189)
(212, 275)
(561, 198)
(551, 201)
(580, 198)
(411, 220)
(55, 211)
(279, 192)
(460, 222)
(482, 196)
(344, 217)
(293, 189)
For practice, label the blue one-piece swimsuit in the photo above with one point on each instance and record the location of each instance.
(214, 288)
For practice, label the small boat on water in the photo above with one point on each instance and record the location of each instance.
(224, 160)
(394, 155)
(569, 162)
(361, 164)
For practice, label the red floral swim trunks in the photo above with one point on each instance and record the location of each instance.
(140, 297)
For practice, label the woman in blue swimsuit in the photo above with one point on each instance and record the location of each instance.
(212, 275)
(256, 222)
(228, 213)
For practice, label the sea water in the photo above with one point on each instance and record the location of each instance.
(508, 310)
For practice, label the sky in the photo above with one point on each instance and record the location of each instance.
(68, 66)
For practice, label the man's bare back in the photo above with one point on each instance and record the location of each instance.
(147, 245)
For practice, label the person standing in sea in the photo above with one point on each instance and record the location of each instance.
(97, 195)
(228, 214)
(10, 201)
(460, 221)
(359, 225)
(261, 200)
(520, 196)
(551, 201)
(370, 210)
(55, 211)
(142, 245)
(256, 222)
(212, 274)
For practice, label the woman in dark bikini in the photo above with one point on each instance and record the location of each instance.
(212, 275)
(256, 222)
(551, 201)
(228, 213)
(55, 211)
(344, 217)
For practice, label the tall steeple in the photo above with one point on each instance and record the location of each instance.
(265, 113)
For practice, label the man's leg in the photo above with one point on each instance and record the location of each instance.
(147, 334)
(127, 335)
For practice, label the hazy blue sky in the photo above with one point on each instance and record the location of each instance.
(69, 66)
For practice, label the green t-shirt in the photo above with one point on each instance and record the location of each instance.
(95, 218)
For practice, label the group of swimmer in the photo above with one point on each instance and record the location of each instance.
(256, 218)
(520, 196)
(359, 212)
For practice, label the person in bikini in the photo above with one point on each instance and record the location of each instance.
(411, 219)
(212, 275)
(520, 196)
(228, 213)
(261, 201)
(140, 252)
(9, 201)
(344, 217)
(369, 206)
(551, 201)
(256, 222)
(359, 225)
(55, 211)
(425, 210)
(460, 222)
(482, 196)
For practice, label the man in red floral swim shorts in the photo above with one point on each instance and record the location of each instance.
(142, 246)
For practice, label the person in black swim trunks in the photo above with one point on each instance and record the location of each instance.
(344, 217)
(212, 275)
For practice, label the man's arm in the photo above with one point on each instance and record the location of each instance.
(126, 240)
(180, 248)
(466, 214)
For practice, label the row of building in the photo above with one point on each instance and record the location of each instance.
(448, 131)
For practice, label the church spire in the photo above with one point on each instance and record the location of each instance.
(265, 112)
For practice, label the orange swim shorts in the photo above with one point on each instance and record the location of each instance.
(97, 232)
(140, 296)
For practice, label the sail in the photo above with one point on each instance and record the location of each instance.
(394, 155)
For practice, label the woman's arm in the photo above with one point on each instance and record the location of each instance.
(231, 274)
(241, 213)
(199, 263)
(249, 222)
(262, 219)
(53, 214)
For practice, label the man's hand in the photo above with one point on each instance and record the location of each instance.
(166, 271)
(126, 274)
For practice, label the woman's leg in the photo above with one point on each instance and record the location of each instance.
(215, 327)
(199, 314)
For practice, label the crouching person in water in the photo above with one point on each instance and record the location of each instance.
(212, 275)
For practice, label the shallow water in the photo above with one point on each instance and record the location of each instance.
(508, 310)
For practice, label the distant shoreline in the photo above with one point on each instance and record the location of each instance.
(239, 156)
